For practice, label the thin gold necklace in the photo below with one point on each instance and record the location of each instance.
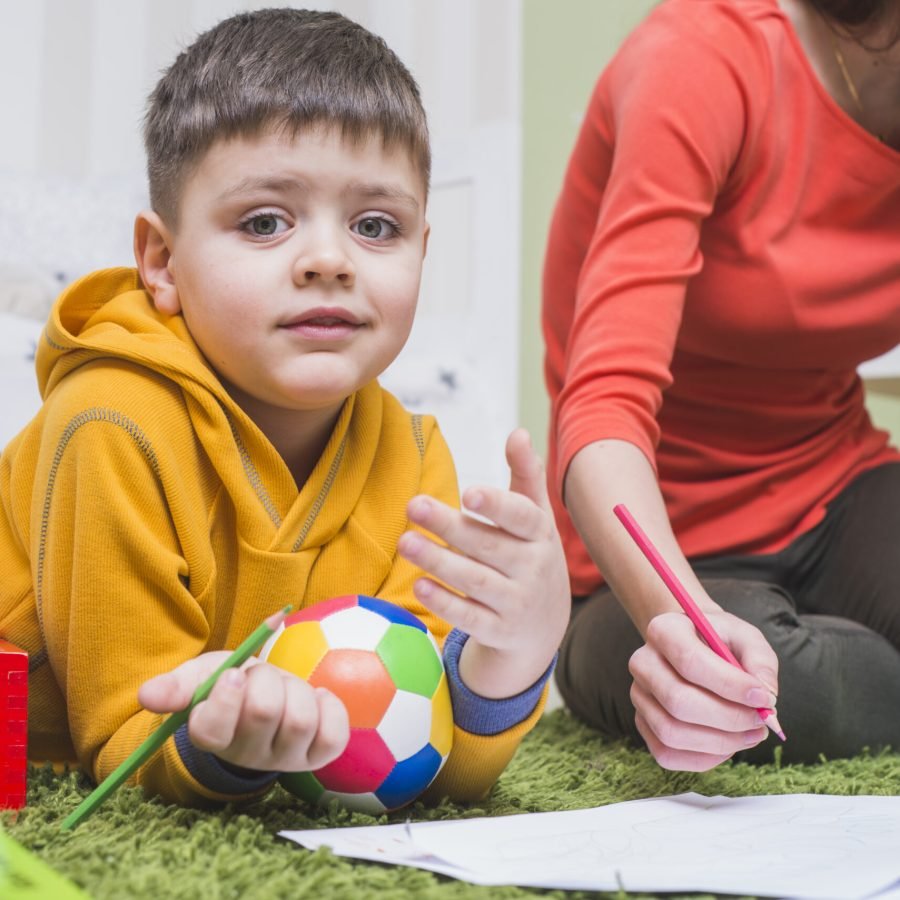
(842, 65)
(851, 86)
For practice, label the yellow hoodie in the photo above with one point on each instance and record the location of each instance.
(145, 519)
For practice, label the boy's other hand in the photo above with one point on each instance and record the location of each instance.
(509, 567)
(257, 717)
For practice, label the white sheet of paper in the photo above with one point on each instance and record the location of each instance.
(818, 847)
(892, 893)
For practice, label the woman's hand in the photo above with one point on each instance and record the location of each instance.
(694, 709)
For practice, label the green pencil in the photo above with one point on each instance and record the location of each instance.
(155, 740)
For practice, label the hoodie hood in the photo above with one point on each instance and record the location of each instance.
(109, 314)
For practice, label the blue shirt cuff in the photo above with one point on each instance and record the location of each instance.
(208, 769)
(482, 715)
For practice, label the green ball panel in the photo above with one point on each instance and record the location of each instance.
(302, 784)
(411, 660)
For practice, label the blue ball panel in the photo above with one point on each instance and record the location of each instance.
(409, 778)
(391, 612)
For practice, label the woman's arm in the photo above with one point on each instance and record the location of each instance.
(601, 475)
(693, 709)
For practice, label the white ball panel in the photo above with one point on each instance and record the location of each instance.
(354, 629)
(365, 803)
(406, 725)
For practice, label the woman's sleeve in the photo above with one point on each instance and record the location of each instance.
(662, 138)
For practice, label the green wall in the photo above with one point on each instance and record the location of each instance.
(566, 44)
(883, 401)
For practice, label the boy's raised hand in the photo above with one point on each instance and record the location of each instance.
(510, 571)
(257, 717)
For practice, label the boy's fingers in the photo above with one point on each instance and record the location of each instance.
(213, 723)
(333, 732)
(314, 727)
(469, 536)
(298, 723)
(172, 691)
(264, 702)
(522, 512)
(513, 514)
(526, 471)
(470, 616)
(461, 571)
(511, 511)
(162, 694)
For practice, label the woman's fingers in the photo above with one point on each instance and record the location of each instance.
(673, 759)
(683, 717)
(673, 637)
(720, 732)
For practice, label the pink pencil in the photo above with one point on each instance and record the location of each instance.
(694, 613)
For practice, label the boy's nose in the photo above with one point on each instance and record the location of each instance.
(326, 262)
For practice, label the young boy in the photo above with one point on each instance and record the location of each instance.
(213, 442)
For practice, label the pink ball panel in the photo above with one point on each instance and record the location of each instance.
(362, 767)
(319, 611)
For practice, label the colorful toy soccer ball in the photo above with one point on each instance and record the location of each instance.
(385, 666)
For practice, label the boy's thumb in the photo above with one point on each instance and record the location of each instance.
(526, 471)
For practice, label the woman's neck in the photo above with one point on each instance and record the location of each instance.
(862, 75)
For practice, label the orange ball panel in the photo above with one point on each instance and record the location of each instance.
(360, 679)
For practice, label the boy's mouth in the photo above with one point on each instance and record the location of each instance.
(324, 324)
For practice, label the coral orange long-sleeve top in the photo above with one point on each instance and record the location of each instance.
(724, 253)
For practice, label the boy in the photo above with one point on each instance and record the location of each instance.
(213, 443)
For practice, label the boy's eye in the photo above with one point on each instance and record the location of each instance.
(376, 228)
(264, 225)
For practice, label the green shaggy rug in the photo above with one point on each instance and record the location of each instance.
(137, 848)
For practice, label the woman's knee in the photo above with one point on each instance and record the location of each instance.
(839, 689)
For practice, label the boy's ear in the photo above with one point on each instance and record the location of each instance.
(425, 237)
(153, 254)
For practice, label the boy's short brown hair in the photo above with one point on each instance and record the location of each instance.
(282, 68)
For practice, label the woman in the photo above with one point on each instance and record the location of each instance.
(724, 253)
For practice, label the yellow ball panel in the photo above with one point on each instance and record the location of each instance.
(442, 718)
(299, 649)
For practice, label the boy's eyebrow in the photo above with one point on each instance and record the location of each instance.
(367, 189)
(375, 191)
(260, 183)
